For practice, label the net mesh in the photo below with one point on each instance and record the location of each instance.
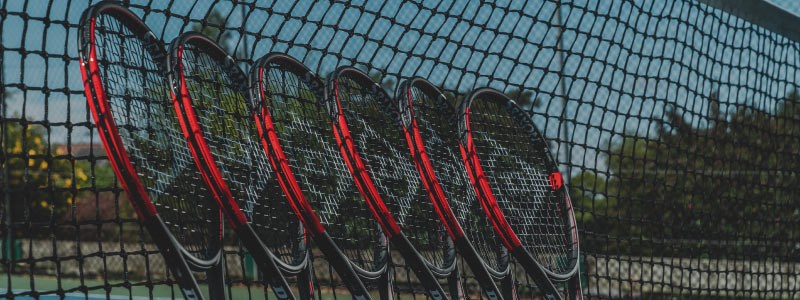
(674, 122)
(378, 138)
(306, 137)
(517, 167)
(228, 128)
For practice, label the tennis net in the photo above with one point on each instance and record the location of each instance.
(675, 123)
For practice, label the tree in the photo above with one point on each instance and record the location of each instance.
(41, 183)
(214, 26)
(717, 187)
(386, 83)
(525, 98)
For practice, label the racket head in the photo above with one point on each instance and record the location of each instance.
(518, 180)
(369, 121)
(212, 102)
(299, 139)
(124, 78)
(429, 119)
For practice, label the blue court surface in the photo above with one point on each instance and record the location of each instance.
(77, 296)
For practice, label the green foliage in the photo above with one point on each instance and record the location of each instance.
(214, 27)
(716, 187)
(386, 83)
(42, 182)
(525, 98)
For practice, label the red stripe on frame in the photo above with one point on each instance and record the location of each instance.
(359, 171)
(112, 142)
(194, 133)
(484, 192)
(280, 162)
(429, 180)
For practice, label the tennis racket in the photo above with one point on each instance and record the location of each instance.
(429, 126)
(370, 138)
(211, 101)
(520, 188)
(122, 64)
(299, 141)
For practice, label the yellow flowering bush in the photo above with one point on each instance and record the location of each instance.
(39, 176)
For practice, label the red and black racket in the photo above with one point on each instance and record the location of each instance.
(299, 141)
(428, 121)
(122, 64)
(367, 128)
(211, 98)
(520, 188)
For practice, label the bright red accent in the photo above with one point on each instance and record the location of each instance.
(556, 181)
(193, 132)
(430, 181)
(359, 171)
(572, 222)
(101, 112)
(484, 193)
(280, 162)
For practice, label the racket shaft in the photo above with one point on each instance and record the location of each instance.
(173, 257)
(575, 289)
(414, 260)
(216, 281)
(535, 271)
(485, 279)
(455, 285)
(265, 262)
(339, 262)
(305, 281)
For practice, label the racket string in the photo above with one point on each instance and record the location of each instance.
(437, 131)
(381, 145)
(306, 137)
(516, 168)
(229, 130)
(139, 100)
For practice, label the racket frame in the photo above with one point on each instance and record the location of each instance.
(350, 273)
(427, 273)
(542, 277)
(271, 266)
(486, 276)
(180, 261)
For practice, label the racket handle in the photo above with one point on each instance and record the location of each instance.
(455, 284)
(386, 284)
(173, 258)
(216, 280)
(510, 286)
(342, 265)
(485, 279)
(535, 271)
(414, 260)
(574, 286)
(215, 276)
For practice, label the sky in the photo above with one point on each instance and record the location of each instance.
(789, 5)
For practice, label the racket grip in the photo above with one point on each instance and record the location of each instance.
(173, 257)
(574, 286)
(456, 284)
(414, 260)
(342, 265)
